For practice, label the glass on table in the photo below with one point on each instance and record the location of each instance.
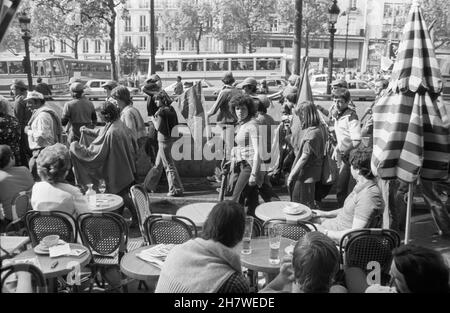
(246, 249)
(102, 186)
(274, 231)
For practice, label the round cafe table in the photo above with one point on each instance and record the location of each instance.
(134, 267)
(107, 202)
(62, 267)
(274, 209)
(197, 212)
(258, 259)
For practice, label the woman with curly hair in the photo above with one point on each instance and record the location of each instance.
(53, 193)
(245, 155)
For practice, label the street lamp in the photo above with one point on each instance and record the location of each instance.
(333, 13)
(24, 22)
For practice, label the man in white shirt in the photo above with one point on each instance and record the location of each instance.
(348, 135)
(44, 128)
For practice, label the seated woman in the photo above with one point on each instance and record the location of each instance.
(211, 263)
(245, 155)
(414, 269)
(53, 193)
(311, 269)
(359, 205)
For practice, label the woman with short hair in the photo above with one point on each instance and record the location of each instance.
(210, 263)
(53, 193)
(307, 167)
(311, 269)
(245, 155)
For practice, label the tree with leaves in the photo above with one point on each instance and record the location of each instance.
(437, 14)
(191, 21)
(313, 13)
(128, 55)
(66, 26)
(242, 21)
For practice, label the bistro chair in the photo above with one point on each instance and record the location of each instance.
(167, 228)
(141, 202)
(43, 223)
(293, 230)
(20, 205)
(257, 228)
(106, 236)
(37, 278)
(361, 246)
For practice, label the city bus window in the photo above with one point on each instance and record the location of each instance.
(268, 64)
(173, 66)
(57, 70)
(217, 65)
(3, 68)
(192, 65)
(242, 64)
(159, 67)
(48, 68)
(15, 67)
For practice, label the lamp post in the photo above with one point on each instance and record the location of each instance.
(333, 13)
(24, 22)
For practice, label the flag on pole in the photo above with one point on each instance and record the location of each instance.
(190, 106)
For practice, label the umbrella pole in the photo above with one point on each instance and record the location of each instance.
(408, 212)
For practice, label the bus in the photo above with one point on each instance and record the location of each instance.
(50, 69)
(88, 69)
(444, 65)
(212, 66)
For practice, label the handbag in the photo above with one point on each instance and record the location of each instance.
(329, 167)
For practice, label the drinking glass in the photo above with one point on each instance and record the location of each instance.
(246, 249)
(274, 242)
(101, 186)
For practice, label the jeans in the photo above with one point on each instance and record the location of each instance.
(266, 192)
(345, 182)
(436, 196)
(243, 193)
(164, 161)
(32, 165)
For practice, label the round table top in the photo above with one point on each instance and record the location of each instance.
(136, 268)
(197, 212)
(258, 259)
(63, 267)
(274, 209)
(107, 202)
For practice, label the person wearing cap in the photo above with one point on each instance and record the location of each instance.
(249, 85)
(226, 117)
(165, 119)
(109, 86)
(43, 88)
(348, 135)
(78, 112)
(43, 129)
(13, 179)
(23, 115)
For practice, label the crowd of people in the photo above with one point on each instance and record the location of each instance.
(34, 156)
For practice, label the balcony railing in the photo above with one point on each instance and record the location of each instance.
(128, 29)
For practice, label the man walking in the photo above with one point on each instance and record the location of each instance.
(23, 115)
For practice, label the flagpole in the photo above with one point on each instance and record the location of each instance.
(408, 212)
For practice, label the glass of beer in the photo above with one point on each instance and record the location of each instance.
(246, 249)
(275, 231)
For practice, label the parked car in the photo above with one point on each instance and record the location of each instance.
(360, 90)
(319, 84)
(93, 89)
(273, 86)
(208, 89)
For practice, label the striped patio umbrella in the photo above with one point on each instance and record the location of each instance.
(411, 125)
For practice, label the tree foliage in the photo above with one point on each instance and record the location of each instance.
(191, 21)
(438, 11)
(128, 55)
(243, 22)
(65, 21)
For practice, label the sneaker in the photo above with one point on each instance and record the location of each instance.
(175, 194)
